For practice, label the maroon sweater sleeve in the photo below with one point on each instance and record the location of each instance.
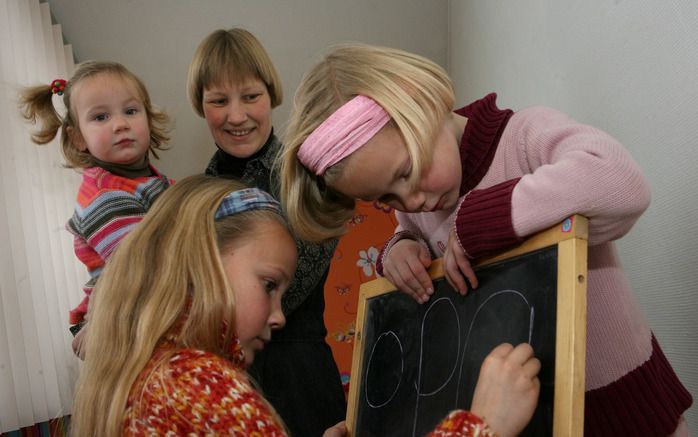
(483, 222)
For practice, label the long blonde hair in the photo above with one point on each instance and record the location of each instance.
(36, 105)
(414, 91)
(230, 55)
(170, 263)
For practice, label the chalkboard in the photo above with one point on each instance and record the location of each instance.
(413, 363)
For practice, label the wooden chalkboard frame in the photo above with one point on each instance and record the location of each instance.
(571, 237)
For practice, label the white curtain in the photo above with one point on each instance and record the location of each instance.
(40, 278)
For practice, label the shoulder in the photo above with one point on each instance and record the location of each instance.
(544, 118)
(198, 390)
(201, 366)
(542, 113)
(102, 183)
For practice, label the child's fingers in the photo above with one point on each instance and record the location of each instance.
(465, 268)
(521, 353)
(454, 276)
(405, 280)
(502, 350)
(419, 274)
(531, 368)
(457, 282)
(415, 280)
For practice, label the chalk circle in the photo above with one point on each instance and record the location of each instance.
(439, 353)
(387, 358)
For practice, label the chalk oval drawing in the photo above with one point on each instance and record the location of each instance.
(442, 362)
(381, 387)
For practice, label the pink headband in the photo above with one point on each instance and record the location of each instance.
(347, 129)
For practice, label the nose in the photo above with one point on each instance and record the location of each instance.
(119, 122)
(236, 113)
(276, 320)
(414, 201)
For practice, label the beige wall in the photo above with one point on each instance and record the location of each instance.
(627, 67)
(630, 68)
(157, 38)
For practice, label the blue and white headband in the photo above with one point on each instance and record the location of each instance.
(247, 199)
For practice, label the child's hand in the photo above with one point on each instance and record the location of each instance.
(457, 267)
(406, 266)
(339, 430)
(507, 389)
(79, 342)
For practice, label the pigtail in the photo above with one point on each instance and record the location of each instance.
(36, 106)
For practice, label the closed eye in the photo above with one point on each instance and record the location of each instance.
(270, 285)
(391, 200)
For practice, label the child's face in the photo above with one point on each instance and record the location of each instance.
(380, 169)
(259, 269)
(112, 121)
(238, 115)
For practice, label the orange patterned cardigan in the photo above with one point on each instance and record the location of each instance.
(193, 392)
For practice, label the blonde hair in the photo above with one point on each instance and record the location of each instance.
(414, 91)
(168, 265)
(36, 105)
(230, 55)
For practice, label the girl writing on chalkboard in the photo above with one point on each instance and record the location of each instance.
(375, 123)
(200, 283)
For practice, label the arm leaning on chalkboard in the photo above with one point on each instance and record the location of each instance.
(505, 396)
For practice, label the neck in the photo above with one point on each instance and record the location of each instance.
(138, 169)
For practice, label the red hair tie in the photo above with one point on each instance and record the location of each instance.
(57, 86)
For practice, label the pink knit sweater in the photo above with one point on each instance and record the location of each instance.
(522, 173)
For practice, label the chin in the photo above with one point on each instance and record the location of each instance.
(242, 151)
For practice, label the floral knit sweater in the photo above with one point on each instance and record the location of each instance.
(192, 392)
(108, 207)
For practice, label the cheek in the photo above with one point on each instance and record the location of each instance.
(144, 128)
(262, 113)
(214, 117)
(251, 316)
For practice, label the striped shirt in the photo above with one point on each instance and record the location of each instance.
(108, 207)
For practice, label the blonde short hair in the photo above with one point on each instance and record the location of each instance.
(230, 55)
(37, 107)
(414, 91)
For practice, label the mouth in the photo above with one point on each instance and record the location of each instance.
(437, 206)
(440, 204)
(124, 142)
(239, 132)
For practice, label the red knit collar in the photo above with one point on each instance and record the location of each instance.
(486, 122)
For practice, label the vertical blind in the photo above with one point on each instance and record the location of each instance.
(40, 278)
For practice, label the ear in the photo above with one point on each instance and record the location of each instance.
(76, 138)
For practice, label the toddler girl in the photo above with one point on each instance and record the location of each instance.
(109, 130)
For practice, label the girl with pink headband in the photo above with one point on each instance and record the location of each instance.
(375, 123)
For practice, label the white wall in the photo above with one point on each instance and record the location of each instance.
(630, 68)
(157, 38)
